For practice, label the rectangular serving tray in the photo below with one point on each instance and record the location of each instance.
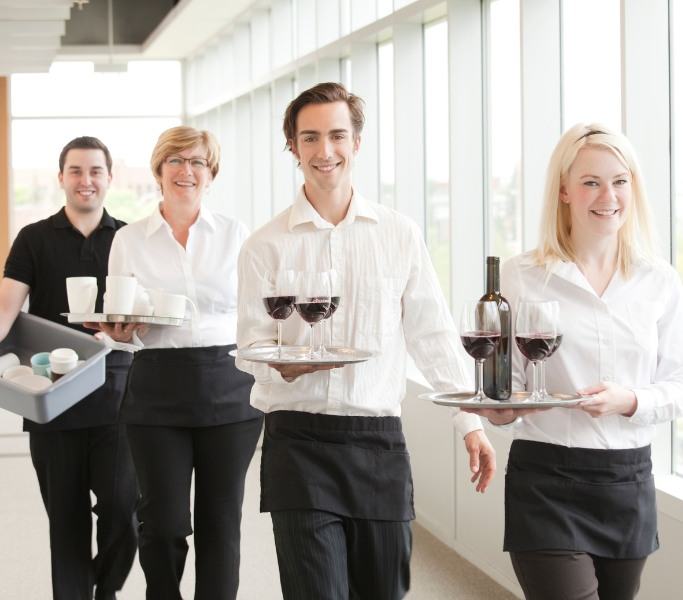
(115, 318)
(339, 356)
(30, 335)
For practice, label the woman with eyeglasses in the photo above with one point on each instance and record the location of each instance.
(580, 511)
(186, 406)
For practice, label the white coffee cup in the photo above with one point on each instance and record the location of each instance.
(121, 294)
(35, 383)
(62, 360)
(7, 361)
(170, 305)
(82, 294)
(18, 371)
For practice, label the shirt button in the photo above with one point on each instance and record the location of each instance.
(337, 263)
(605, 378)
(601, 308)
(606, 342)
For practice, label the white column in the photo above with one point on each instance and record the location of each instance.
(541, 105)
(328, 18)
(216, 199)
(242, 54)
(409, 121)
(328, 70)
(282, 48)
(283, 162)
(261, 158)
(227, 64)
(466, 151)
(646, 121)
(212, 73)
(306, 27)
(365, 81)
(307, 77)
(260, 43)
(363, 12)
(227, 173)
(243, 181)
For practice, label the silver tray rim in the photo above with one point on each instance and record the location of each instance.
(251, 355)
(118, 318)
(517, 400)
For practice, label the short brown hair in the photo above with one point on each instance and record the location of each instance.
(181, 138)
(85, 143)
(323, 93)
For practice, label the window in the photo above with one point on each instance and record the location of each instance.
(386, 124)
(505, 206)
(44, 108)
(591, 34)
(437, 197)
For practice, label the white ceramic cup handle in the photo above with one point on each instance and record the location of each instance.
(193, 307)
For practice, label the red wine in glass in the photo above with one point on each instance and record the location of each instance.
(279, 307)
(480, 345)
(334, 305)
(313, 311)
(535, 346)
(558, 341)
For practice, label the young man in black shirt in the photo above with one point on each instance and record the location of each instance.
(84, 449)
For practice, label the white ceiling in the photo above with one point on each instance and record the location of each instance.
(30, 32)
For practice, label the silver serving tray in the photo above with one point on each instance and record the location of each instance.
(340, 356)
(517, 400)
(113, 318)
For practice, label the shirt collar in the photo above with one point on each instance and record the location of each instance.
(61, 221)
(156, 219)
(303, 212)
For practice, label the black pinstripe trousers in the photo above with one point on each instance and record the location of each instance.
(324, 556)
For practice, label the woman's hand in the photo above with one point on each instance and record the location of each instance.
(502, 416)
(294, 371)
(120, 332)
(608, 399)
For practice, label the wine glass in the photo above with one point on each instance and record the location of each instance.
(335, 298)
(312, 300)
(278, 292)
(535, 333)
(480, 334)
(543, 393)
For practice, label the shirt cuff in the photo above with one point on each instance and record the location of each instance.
(134, 346)
(644, 414)
(465, 422)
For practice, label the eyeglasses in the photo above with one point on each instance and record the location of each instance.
(195, 163)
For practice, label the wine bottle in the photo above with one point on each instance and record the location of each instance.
(497, 369)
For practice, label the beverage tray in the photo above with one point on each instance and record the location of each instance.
(517, 400)
(114, 318)
(337, 356)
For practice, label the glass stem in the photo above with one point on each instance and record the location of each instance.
(279, 339)
(311, 353)
(534, 369)
(480, 378)
(321, 350)
(542, 377)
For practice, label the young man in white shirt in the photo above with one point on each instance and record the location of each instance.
(335, 470)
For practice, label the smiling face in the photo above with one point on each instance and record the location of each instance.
(598, 192)
(185, 183)
(325, 145)
(85, 179)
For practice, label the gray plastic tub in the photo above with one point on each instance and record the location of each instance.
(30, 335)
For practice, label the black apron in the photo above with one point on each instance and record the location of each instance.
(355, 467)
(187, 387)
(597, 501)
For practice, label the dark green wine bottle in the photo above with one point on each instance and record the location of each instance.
(497, 368)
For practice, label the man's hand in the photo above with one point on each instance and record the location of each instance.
(502, 416)
(120, 332)
(609, 399)
(294, 371)
(482, 458)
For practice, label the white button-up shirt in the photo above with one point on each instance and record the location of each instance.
(632, 335)
(205, 271)
(390, 299)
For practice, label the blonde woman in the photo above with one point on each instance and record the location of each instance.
(186, 406)
(580, 513)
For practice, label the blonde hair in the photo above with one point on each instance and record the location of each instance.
(181, 138)
(554, 243)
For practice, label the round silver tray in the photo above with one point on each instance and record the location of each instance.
(517, 400)
(112, 318)
(340, 356)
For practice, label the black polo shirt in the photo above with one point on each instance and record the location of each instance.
(43, 256)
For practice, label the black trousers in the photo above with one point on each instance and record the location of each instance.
(324, 556)
(70, 464)
(553, 574)
(164, 459)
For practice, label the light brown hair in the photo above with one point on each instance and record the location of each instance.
(181, 138)
(323, 93)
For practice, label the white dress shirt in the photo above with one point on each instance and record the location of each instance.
(390, 298)
(205, 271)
(632, 335)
